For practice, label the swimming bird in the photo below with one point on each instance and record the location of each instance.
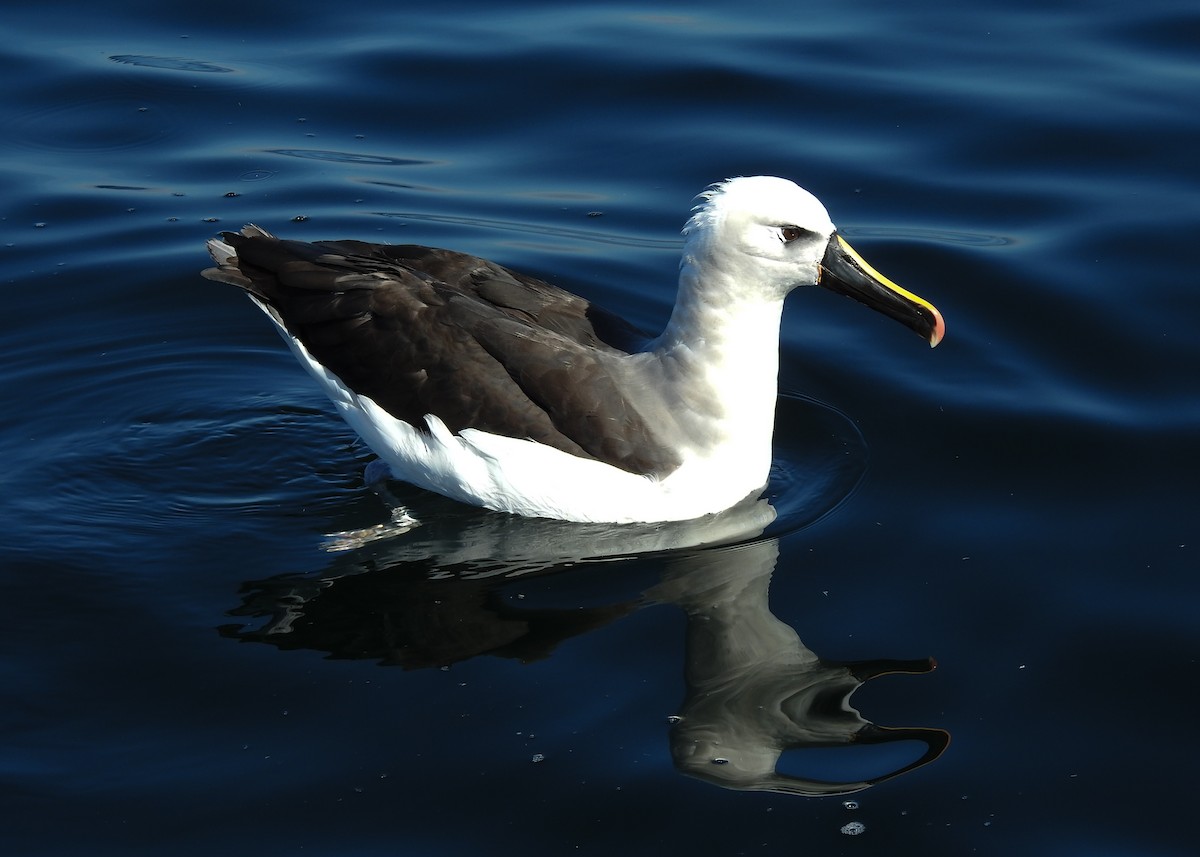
(500, 390)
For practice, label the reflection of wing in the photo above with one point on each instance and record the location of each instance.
(424, 331)
(408, 620)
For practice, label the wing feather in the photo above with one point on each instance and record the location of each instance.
(426, 331)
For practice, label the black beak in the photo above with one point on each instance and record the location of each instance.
(847, 273)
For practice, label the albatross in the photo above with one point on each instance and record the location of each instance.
(500, 390)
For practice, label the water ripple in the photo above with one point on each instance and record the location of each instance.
(351, 157)
(96, 123)
(509, 226)
(939, 236)
(171, 63)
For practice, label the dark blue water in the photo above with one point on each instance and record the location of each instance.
(187, 668)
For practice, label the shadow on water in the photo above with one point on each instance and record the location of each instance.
(428, 595)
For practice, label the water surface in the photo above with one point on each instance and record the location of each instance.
(188, 667)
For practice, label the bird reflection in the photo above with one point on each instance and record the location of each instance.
(754, 691)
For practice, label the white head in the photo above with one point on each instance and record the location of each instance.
(755, 239)
(767, 230)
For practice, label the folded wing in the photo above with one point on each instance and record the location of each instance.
(427, 331)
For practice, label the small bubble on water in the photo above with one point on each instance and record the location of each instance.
(720, 761)
(537, 757)
(674, 718)
(850, 804)
(853, 828)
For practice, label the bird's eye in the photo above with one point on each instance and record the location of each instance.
(791, 233)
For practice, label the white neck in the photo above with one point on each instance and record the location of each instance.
(720, 355)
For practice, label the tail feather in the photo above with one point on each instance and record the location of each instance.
(226, 260)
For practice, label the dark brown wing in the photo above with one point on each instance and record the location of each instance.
(518, 295)
(426, 331)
